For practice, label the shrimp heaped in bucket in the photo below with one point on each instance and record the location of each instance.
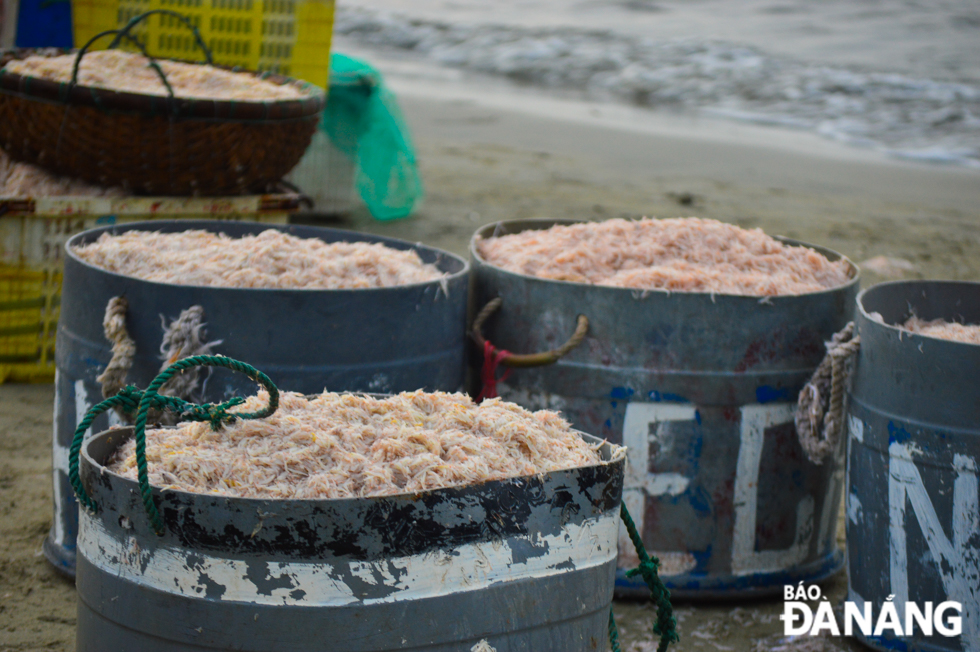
(354, 445)
(678, 254)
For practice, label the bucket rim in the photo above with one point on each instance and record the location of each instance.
(867, 321)
(216, 226)
(541, 223)
(611, 454)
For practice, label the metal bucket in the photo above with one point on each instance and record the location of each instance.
(373, 340)
(527, 564)
(701, 389)
(913, 503)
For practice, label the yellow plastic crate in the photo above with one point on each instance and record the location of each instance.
(33, 234)
(289, 37)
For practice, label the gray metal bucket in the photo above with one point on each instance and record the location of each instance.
(527, 564)
(913, 503)
(373, 340)
(702, 390)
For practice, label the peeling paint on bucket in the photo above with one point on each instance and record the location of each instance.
(527, 564)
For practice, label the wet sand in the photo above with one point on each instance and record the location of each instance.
(483, 162)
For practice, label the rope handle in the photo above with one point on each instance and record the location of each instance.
(120, 34)
(523, 360)
(131, 399)
(820, 407)
(666, 625)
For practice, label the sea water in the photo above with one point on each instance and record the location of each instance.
(900, 76)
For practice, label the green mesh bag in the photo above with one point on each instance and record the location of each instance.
(364, 122)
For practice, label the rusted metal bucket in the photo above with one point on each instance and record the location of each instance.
(701, 389)
(373, 340)
(913, 503)
(527, 564)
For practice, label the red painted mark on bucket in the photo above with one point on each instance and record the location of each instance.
(763, 350)
(651, 518)
(802, 344)
(786, 443)
(723, 500)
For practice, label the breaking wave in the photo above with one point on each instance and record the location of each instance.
(918, 119)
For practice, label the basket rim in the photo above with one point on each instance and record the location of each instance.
(45, 90)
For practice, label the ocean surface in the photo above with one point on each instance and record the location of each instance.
(897, 76)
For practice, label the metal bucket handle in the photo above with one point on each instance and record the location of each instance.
(131, 398)
(120, 34)
(528, 359)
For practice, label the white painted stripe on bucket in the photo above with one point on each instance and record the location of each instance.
(59, 466)
(465, 568)
(746, 560)
(81, 402)
(954, 560)
(855, 428)
(60, 454)
(641, 425)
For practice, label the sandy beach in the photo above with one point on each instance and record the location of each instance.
(482, 160)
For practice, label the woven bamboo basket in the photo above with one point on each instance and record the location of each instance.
(161, 145)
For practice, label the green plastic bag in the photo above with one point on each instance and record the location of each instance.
(364, 122)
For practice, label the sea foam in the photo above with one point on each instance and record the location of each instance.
(920, 119)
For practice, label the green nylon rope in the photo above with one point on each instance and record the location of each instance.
(666, 625)
(130, 399)
(613, 633)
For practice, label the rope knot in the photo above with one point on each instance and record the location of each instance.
(215, 414)
(128, 398)
(492, 357)
(844, 344)
(666, 625)
(648, 570)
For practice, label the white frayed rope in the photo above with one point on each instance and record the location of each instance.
(820, 408)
